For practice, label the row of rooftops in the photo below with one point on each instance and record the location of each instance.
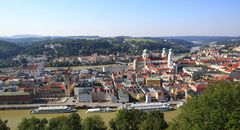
(125, 83)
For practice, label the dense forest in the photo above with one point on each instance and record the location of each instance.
(70, 47)
(73, 47)
(8, 49)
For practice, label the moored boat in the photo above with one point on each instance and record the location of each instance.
(148, 106)
(100, 110)
(53, 109)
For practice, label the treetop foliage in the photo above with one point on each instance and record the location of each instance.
(217, 109)
(138, 120)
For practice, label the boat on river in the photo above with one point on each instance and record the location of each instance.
(53, 109)
(108, 109)
(148, 106)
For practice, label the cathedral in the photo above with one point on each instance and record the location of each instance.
(154, 63)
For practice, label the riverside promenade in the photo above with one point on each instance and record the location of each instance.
(75, 104)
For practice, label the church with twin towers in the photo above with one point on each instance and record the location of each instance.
(155, 61)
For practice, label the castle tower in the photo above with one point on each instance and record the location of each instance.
(164, 52)
(170, 58)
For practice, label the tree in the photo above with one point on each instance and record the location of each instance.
(73, 122)
(154, 121)
(57, 123)
(94, 123)
(127, 119)
(3, 125)
(33, 123)
(217, 109)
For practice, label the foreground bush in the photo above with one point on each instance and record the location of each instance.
(217, 109)
(33, 124)
(71, 122)
(3, 125)
(93, 123)
(138, 120)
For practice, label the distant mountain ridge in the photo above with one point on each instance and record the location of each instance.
(20, 36)
(25, 39)
(204, 38)
(28, 39)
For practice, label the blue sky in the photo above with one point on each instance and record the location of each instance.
(120, 17)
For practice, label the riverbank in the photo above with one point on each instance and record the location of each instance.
(79, 105)
(79, 67)
(14, 117)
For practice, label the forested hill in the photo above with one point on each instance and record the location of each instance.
(74, 47)
(8, 49)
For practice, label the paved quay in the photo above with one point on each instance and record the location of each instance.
(77, 105)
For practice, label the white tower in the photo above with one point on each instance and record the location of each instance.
(145, 54)
(170, 58)
(135, 64)
(164, 52)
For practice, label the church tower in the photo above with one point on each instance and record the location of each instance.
(170, 58)
(145, 56)
(164, 52)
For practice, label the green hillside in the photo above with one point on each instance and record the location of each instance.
(58, 47)
(8, 49)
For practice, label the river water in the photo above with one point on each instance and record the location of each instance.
(195, 48)
(14, 117)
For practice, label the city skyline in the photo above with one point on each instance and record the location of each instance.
(120, 18)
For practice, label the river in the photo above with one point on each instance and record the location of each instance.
(195, 48)
(80, 67)
(14, 117)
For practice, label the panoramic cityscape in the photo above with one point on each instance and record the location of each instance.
(119, 65)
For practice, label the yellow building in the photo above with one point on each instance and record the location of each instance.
(154, 81)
